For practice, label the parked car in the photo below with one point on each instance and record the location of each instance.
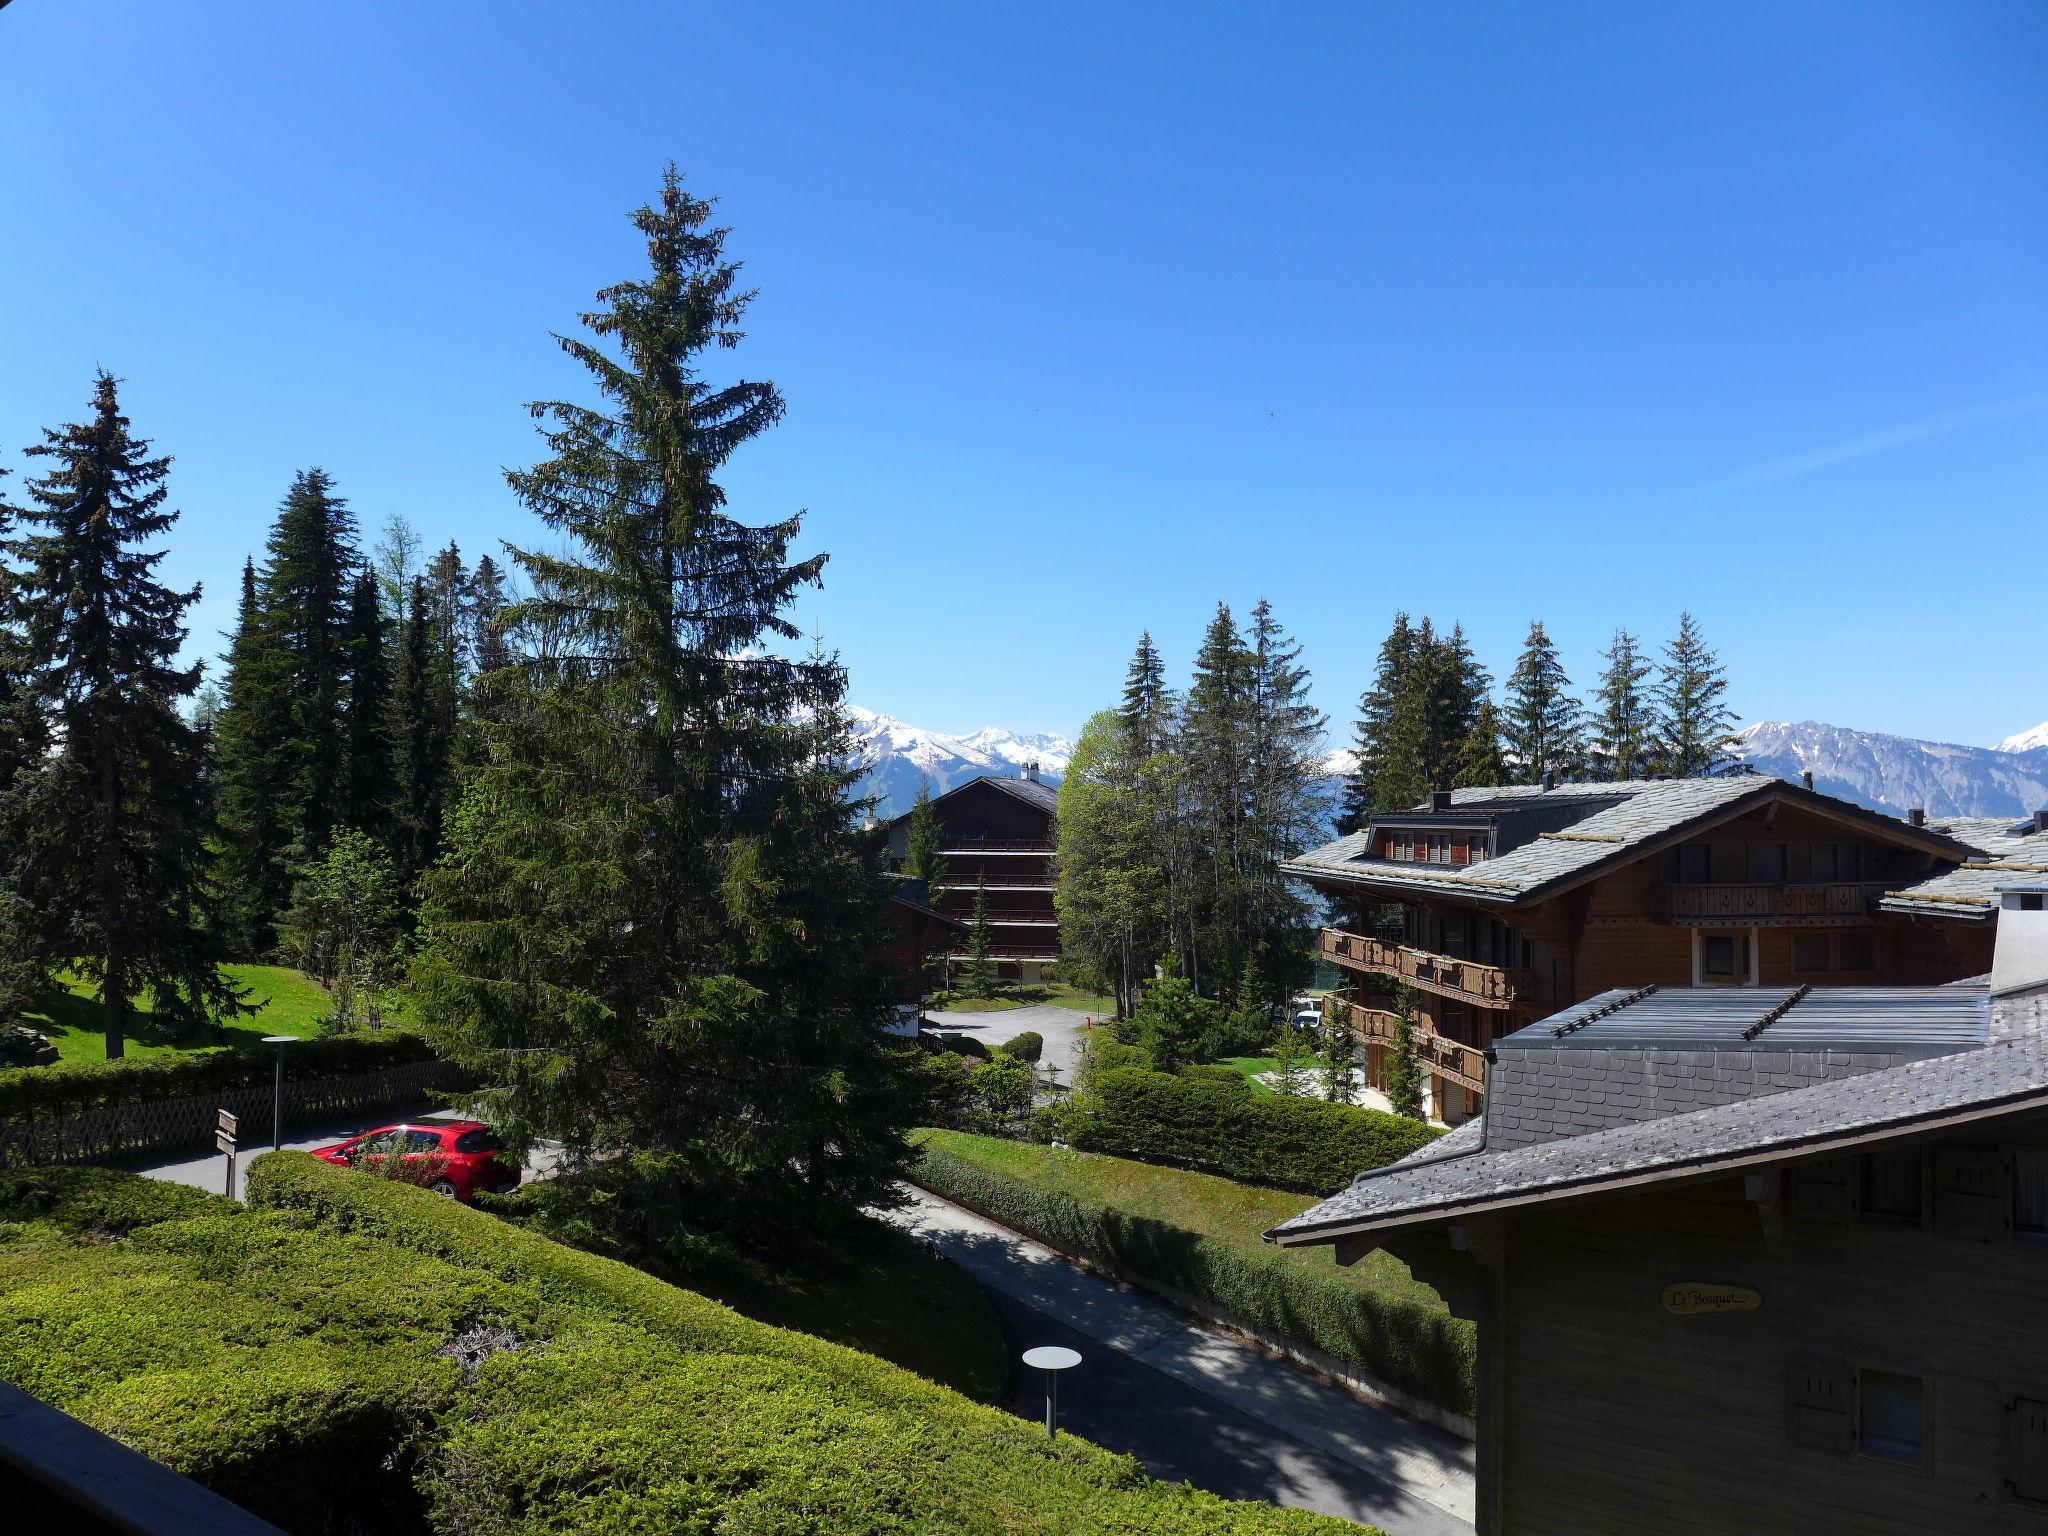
(456, 1158)
(1308, 1013)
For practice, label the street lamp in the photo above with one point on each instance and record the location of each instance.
(1051, 1359)
(277, 1097)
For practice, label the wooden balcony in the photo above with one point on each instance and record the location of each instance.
(1485, 986)
(970, 845)
(1810, 903)
(1453, 1059)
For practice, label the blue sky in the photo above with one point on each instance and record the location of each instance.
(1088, 317)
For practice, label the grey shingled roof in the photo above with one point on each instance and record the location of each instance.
(2008, 850)
(1648, 812)
(2007, 1075)
(1044, 796)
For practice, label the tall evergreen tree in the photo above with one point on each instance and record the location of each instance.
(1147, 711)
(978, 979)
(1366, 789)
(1623, 725)
(23, 742)
(1110, 886)
(371, 784)
(251, 775)
(657, 926)
(422, 750)
(1543, 721)
(114, 823)
(923, 858)
(1694, 726)
(1284, 805)
(1479, 763)
(484, 618)
(1214, 747)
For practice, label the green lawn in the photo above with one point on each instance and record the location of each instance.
(1236, 1214)
(1011, 995)
(1249, 1067)
(292, 1003)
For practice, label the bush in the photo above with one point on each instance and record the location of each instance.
(69, 1088)
(1222, 1077)
(1401, 1343)
(1191, 1121)
(1028, 1046)
(963, 1045)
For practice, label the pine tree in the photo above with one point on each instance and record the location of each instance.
(115, 823)
(923, 859)
(251, 776)
(421, 748)
(1110, 879)
(658, 927)
(979, 978)
(1404, 1071)
(1543, 726)
(484, 618)
(1284, 804)
(1364, 791)
(1479, 763)
(1337, 1052)
(1623, 728)
(371, 784)
(1147, 711)
(1694, 727)
(1213, 747)
(24, 967)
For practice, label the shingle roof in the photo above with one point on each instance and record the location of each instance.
(1618, 820)
(1045, 797)
(2008, 850)
(2002, 1076)
(1776, 1119)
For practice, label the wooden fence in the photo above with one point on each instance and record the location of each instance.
(120, 1131)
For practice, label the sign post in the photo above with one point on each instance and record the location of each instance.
(1052, 1359)
(224, 1139)
(277, 1096)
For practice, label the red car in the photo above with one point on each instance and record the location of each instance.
(456, 1158)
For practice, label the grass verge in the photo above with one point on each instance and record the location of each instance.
(292, 1003)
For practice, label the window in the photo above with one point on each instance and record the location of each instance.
(1891, 1187)
(1689, 864)
(1767, 863)
(1724, 959)
(1838, 861)
(2031, 901)
(1820, 1406)
(2026, 1449)
(1818, 1191)
(1810, 952)
(478, 1141)
(1856, 950)
(422, 1141)
(2030, 1194)
(373, 1146)
(1889, 1414)
(1970, 1200)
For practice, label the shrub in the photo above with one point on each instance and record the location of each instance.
(1401, 1343)
(69, 1088)
(1226, 1077)
(1028, 1046)
(1190, 1121)
(964, 1045)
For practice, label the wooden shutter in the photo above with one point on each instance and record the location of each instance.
(2026, 1448)
(1819, 1191)
(1820, 1406)
(1970, 1200)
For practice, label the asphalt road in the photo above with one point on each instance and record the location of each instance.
(1061, 1028)
(1200, 1405)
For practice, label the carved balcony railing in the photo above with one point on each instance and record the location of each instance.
(1461, 1063)
(1468, 981)
(1788, 902)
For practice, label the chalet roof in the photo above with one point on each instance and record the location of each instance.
(2007, 851)
(1792, 1105)
(1551, 838)
(1039, 796)
(903, 891)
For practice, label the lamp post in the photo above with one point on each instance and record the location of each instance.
(277, 1095)
(1052, 1359)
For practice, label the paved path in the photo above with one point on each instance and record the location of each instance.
(1061, 1027)
(1197, 1404)
(209, 1170)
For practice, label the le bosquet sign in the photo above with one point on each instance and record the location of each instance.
(1691, 1298)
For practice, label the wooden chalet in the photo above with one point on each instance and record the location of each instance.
(1501, 905)
(999, 835)
(1751, 1261)
(916, 932)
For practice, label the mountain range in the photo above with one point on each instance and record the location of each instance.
(1889, 773)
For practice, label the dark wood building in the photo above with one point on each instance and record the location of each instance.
(1501, 905)
(1742, 1262)
(916, 933)
(999, 839)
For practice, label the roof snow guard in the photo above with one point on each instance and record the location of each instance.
(1646, 1087)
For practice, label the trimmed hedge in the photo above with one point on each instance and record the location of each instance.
(1028, 1046)
(336, 1358)
(1309, 1146)
(70, 1088)
(1414, 1348)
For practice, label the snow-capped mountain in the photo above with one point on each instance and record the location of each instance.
(1896, 773)
(2026, 741)
(901, 756)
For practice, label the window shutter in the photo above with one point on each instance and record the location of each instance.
(2026, 1448)
(1969, 1193)
(1819, 1191)
(1820, 1406)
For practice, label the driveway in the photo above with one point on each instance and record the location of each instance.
(208, 1170)
(1061, 1027)
(1196, 1404)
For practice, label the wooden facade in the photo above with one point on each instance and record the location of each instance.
(999, 837)
(1850, 1344)
(1778, 893)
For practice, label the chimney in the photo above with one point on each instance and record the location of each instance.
(1439, 799)
(1806, 777)
(1550, 778)
(1917, 816)
(2041, 819)
(1031, 770)
(2019, 955)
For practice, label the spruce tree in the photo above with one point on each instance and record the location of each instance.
(115, 822)
(1285, 807)
(1480, 764)
(1543, 721)
(1404, 1069)
(252, 776)
(422, 750)
(24, 968)
(658, 928)
(1110, 880)
(484, 618)
(979, 979)
(1364, 791)
(1147, 710)
(1623, 726)
(923, 859)
(1694, 726)
(370, 786)
(1214, 747)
